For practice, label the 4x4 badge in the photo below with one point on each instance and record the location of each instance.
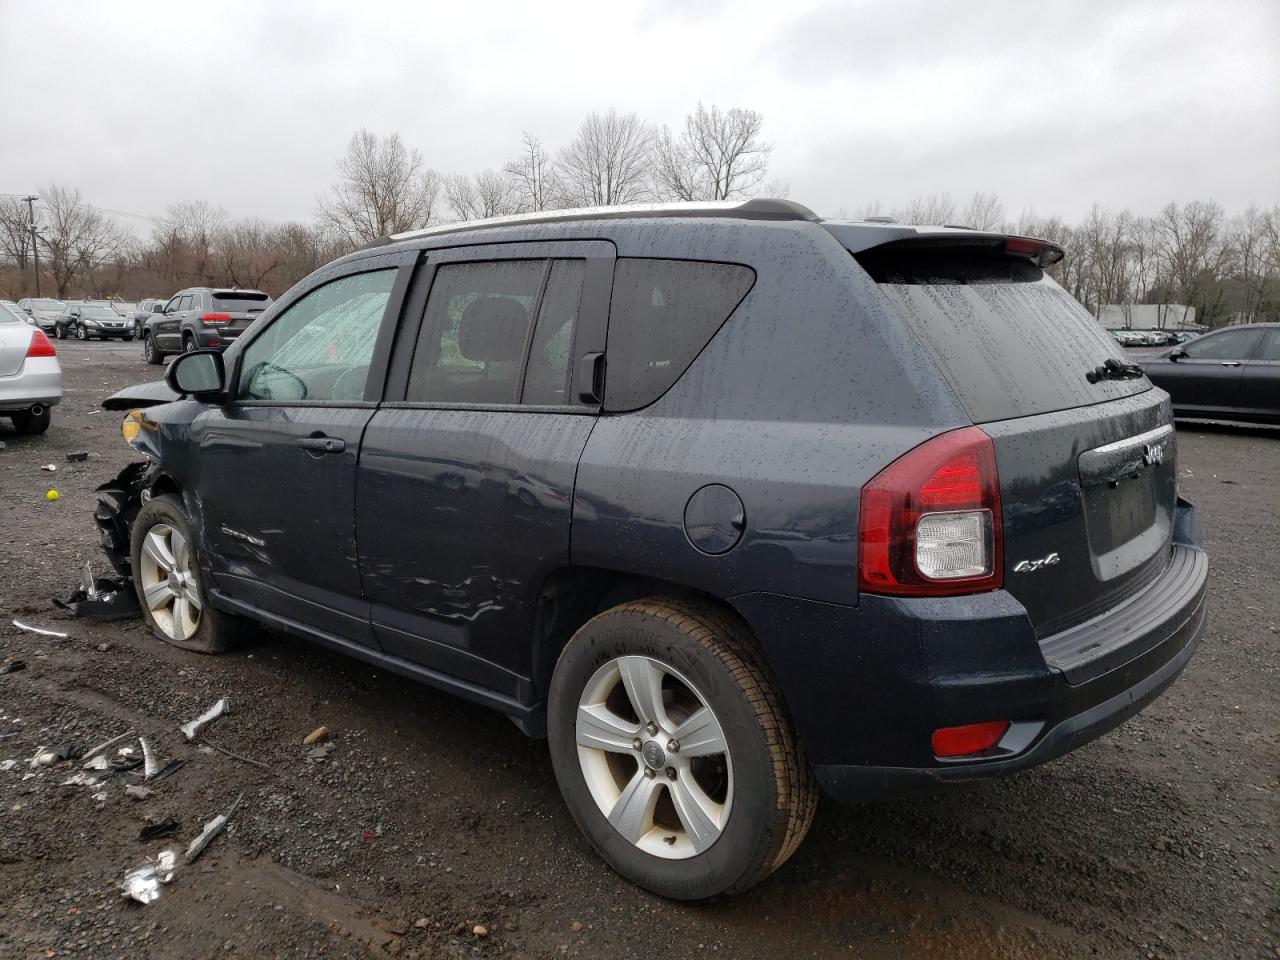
(1031, 566)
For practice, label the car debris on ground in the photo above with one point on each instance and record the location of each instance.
(192, 728)
(44, 633)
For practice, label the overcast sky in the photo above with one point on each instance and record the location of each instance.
(1049, 105)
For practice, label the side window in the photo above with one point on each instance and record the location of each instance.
(471, 345)
(547, 376)
(662, 314)
(1271, 347)
(1228, 345)
(319, 349)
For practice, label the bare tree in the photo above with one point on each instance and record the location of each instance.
(936, 209)
(384, 189)
(1192, 245)
(183, 242)
(608, 161)
(719, 155)
(487, 194)
(248, 252)
(15, 231)
(536, 185)
(76, 237)
(983, 212)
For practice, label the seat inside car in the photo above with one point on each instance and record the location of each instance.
(491, 332)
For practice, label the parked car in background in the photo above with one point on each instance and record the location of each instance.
(200, 318)
(97, 322)
(30, 378)
(142, 313)
(1230, 374)
(1127, 338)
(728, 500)
(43, 311)
(12, 309)
(64, 322)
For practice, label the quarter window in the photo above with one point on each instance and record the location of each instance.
(1228, 345)
(319, 349)
(662, 314)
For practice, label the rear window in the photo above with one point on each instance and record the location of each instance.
(1008, 339)
(240, 302)
(663, 312)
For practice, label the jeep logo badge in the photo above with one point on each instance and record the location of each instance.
(654, 756)
(1152, 454)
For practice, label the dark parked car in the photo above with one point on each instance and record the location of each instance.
(727, 501)
(143, 313)
(200, 318)
(94, 321)
(1231, 374)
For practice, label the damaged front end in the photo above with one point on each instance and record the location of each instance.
(119, 501)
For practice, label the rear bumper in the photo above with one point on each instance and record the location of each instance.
(867, 686)
(39, 381)
(211, 339)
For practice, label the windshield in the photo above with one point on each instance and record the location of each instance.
(1008, 339)
(106, 313)
(49, 306)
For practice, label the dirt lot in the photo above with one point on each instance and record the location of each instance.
(429, 816)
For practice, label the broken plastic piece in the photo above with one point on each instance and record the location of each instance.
(193, 727)
(150, 766)
(168, 770)
(107, 745)
(12, 666)
(78, 456)
(44, 633)
(48, 756)
(143, 883)
(103, 598)
(211, 830)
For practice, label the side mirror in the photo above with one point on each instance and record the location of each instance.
(1177, 354)
(200, 375)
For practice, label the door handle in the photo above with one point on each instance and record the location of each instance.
(591, 378)
(1231, 363)
(323, 444)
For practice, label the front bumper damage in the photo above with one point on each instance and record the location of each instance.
(119, 501)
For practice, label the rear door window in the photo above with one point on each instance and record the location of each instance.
(1009, 340)
(663, 312)
(1227, 345)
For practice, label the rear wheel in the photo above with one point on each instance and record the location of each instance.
(150, 352)
(167, 578)
(673, 751)
(29, 424)
(188, 343)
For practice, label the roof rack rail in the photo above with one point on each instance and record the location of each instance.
(761, 208)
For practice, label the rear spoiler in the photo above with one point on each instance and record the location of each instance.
(859, 237)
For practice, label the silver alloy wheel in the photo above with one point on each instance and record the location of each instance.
(169, 585)
(654, 757)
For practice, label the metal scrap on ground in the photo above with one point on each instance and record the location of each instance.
(192, 728)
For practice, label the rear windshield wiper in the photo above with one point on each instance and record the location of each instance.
(1113, 369)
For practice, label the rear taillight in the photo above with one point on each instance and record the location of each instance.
(215, 318)
(969, 739)
(929, 523)
(40, 346)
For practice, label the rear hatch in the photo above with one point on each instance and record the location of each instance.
(1084, 446)
(15, 339)
(243, 306)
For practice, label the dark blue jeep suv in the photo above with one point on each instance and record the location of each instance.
(728, 501)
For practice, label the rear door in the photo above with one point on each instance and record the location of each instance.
(1086, 466)
(1260, 380)
(277, 464)
(1207, 378)
(467, 470)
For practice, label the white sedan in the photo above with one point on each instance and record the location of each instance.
(30, 377)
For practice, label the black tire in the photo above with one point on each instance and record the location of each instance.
(150, 352)
(774, 795)
(216, 632)
(59, 332)
(29, 424)
(188, 343)
(128, 338)
(81, 332)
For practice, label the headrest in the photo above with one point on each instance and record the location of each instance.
(493, 329)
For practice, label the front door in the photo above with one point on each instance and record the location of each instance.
(278, 462)
(467, 470)
(167, 328)
(1208, 377)
(1260, 381)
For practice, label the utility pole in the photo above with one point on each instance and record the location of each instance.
(35, 247)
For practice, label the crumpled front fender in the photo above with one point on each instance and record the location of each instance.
(119, 501)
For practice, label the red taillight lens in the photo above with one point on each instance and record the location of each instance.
(930, 524)
(215, 318)
(968, 739)
(1024, 246)
(40, 346)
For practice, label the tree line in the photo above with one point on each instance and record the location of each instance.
(1226, 266)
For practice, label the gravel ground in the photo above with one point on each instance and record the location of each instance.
(429, 819)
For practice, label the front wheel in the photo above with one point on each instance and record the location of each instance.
(169, 584)
(150, 352)
(81, 332)
(673, 751)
